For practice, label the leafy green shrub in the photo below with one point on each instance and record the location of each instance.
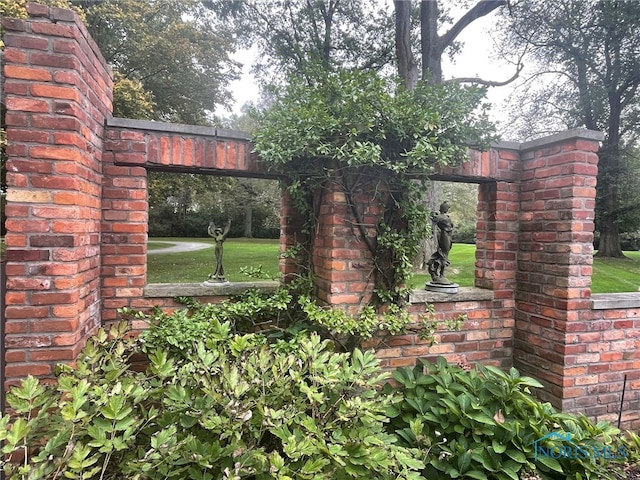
(279, 315)
(234, 407)
(182, 328)
(464, 234)
(482, 424)
(630, 241)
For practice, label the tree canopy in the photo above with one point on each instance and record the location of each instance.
(307, 38)
(179, 51)
(589, 51)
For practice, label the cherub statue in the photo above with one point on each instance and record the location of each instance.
(220, 236)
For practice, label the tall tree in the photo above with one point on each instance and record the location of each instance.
(178, 50)
(593, 49)
(309, 37)
(433, 47)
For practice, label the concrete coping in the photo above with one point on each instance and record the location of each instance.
(465, 294)
(615, 301)
(577, 133)
(176, 128)
(170, 290)
(581, 133)
(599, 301)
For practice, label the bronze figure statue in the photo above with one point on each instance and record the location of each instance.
(220, 236)
(440, 258)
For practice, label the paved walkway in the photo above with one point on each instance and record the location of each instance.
(179, 247)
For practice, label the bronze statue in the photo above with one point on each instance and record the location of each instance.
(440, 258)
(220, 236)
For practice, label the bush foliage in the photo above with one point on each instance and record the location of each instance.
(376, 143)
(216, 404)
(231, 407)
(484, 424)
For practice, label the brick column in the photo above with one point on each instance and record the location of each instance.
(124, 224)
(497, 238)
(341, 258)
(291, 234)
(57, 94)
(555, 260)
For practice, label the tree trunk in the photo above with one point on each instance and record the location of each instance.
(434, 45)
(609, 245)
(430, 42)
(607, 203)
(407, 67)
(248, 221)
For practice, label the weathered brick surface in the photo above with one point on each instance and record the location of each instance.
(174, 147)
(58, 94)
(579, 356)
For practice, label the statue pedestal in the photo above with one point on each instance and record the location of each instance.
(215, 282)
(442, 287)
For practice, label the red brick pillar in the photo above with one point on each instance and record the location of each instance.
(339, 258)
(497, 238)
(124, 225)
(292, 237)
(342, 261)
(555, 259)
(57, 92)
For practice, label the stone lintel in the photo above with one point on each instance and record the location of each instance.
(178, 128)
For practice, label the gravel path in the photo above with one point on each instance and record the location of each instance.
(179, 247)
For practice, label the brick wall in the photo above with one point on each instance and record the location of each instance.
(554, 260)
(57, 93)
(77, 231)
(605, 348)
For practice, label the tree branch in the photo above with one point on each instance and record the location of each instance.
(480, 9)
(488, 83)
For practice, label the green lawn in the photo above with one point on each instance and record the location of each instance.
(195, 267)
(612, 275)
(462, 267)
(609, 275)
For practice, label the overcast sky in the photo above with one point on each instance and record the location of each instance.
(475, 59)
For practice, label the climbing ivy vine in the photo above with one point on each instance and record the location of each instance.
(368, 135)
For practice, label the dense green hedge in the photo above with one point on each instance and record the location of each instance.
(230, 407)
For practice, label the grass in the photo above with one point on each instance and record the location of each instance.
(461, 271)
(195, 267)
(610, 275)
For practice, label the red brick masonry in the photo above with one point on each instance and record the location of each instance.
(77, 230)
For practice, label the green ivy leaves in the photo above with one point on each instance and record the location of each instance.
(370, 136)
(361, 119)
